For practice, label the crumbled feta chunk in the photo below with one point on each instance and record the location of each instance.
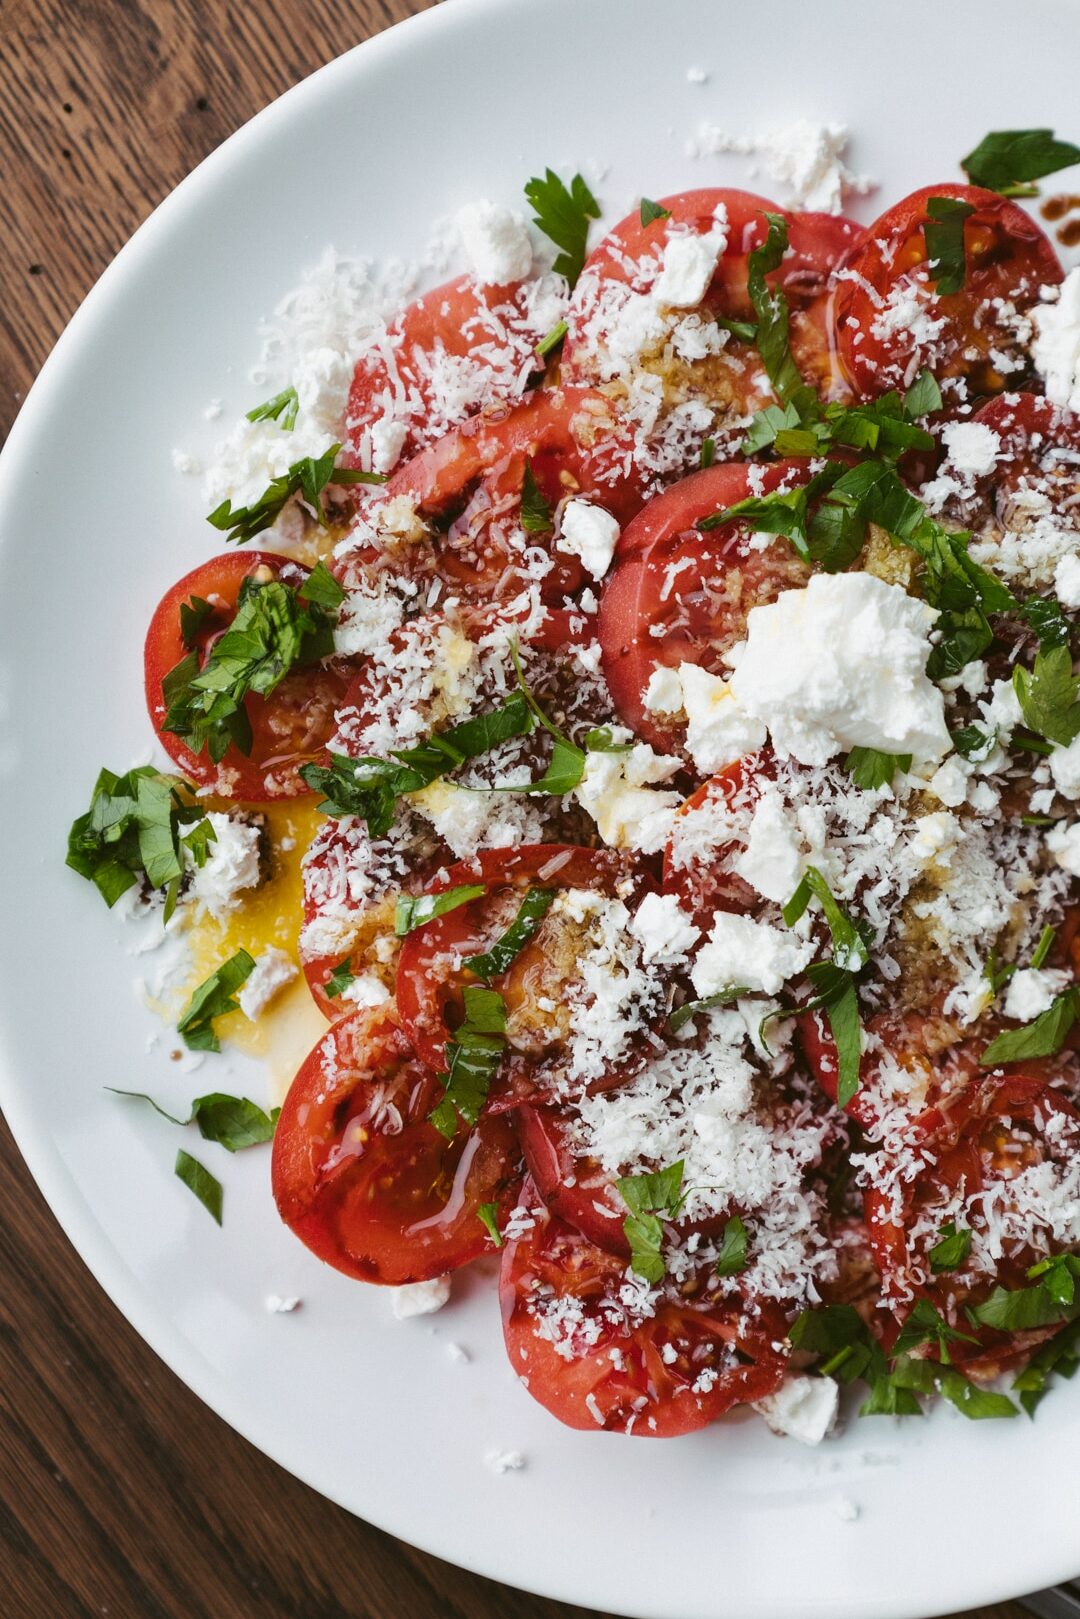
(387, 442)
(1065, 768)
(279, 1304)
(1064, 844)
(420, 1298)
(803, 1408)
(231, 866)
(689, 264)
(505, 1461)
(366, 990)
(773, 860)
(663, 694)
(589, 533)
(495, 241)
(629, 812)
(1067, 580)
(719, 729)
(1056, 349)
(1031, 991)
(949, 783)
(665, 930)
(751, 954)
(273, 969)
(973, 448)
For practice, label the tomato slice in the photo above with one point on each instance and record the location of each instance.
(459, 349)
(699, 874)
(468, 486)
(630, 255)
(432, 970)
(678, 595)
(364, 1180)
(594, 1361)
(888, 320)
(290, 727)
(575, 1189)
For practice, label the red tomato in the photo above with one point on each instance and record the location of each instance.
(888, 321)
(675, 1371)
(1040, 450)
(364, 1180)
(704, 886)
(432, 973)
(575, 1189)
(290, 727)
(678, 595)
(459, 349)
(469, 482)
(630, 252)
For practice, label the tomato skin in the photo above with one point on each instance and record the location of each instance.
(431, 975)
(661, 605)
(702, 890)
(1007, 256)
(290, 727)
(364, 1180)
(639, 1392)
(551, 1164)
(446, 322)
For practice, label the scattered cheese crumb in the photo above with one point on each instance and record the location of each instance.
(1031, 991)
(804, 1408)
(845, 1508)
(495, 241)
(458, 1353)
(419, 1298)
(665, 930)
(278, 1304)
(273, 969)
(231, 867)
(1056, 349)
(1064, 844)
(504, 1461)
(753, 955)
(1067, 580)
(589, 533)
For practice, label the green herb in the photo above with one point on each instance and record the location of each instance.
(744, 330)
(563, 214)
(213, 999)
(531, 912)
(1044, 947)
(340, 979)
(849, 947)
(370, 788)
(486, 1213)
(1051, 1298)
(1061, 1355)
(870, 769)
(838, 1000)
(1008, 160)
(928, 1377)
(783, 512)
(207, 1189)
(193, 615)
(473, 1056)
(233, 1122)
(282, 409)
(308, 478)
(646, 1196)
(731, 1259)
(536, 517)
(885, 427)
(139, 824)
(652, 211)
(708, 453)
(944, 233)
(689, 1009)
(951, 1249)
(924, 1325)
(551, 342)
(1047, 695)
(321, 588)
(923, 398)
(997, 976)
(567, 763)
(1047, 620)
(412, 911)
(273, 631)
(974, 744)
(771, 309)
(1044, 1037)
(602, 740)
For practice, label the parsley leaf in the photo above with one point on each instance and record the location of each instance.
(199, 1180)
(645, 1196)
(838, 1000)
(212, 999)
(771, 309)
(283, 409)
(974, 744)
(340, 979)
(193, 615)
(307, 478)
(849, 947)
(1061, 1355)
(869, 769)
(473, 1056)
(531, 912)
(708, 453)
(234, 1122)
(652, 211)
(566, 766)
(1043, 1037)
(272, 632)
(923, 398)
(731, 1260)
(322, 588)
(924, 1325)
(1044, 946)
(1050, 1299)
(682, 1014)
(563, 214)
(1007, 160)
(602, 740)
(951, 1249)
(552, 340)
(138, 825)
(1047, 620)
(486, 1213)
(412, 911)
(536, 517)
(1047, 695)
(944, 233)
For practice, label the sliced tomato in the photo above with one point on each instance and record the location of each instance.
(889, 321)
(364, 1180)
(1039, 454)
(631, 252)
(290, 727)
(678, 595)
(583, 1353)
(459, 349)
(468, 486)
(575, 1189)
(433, 971)
(701, 879)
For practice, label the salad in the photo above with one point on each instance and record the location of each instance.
(638, 715)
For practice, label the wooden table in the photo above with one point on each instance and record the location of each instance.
(120, 1494)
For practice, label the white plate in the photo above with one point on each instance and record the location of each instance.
(465, 100)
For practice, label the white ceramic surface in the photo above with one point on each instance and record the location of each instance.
(468, 99)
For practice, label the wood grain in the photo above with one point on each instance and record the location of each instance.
(120, 1494)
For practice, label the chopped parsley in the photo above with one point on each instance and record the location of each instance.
(944, 233)
(340, 979)
(322, 589)
(548, 344)
(234, 1122)
(731, 1260)
(689, 1009)
(652, 211)
(849, 947)
(951, 1249)
(308, 478)
(563, 213)
(275, 629)
(412, 911)
(283, 409)
(487, 1213)
(771, 309)
(141, 824)
(1008, 160)
(1060, 1355)
(647, 1196)
(473, 1055)
(1043, 1037)
(536, 514)
(531, 912)
(193, 615)
(835, 980)
(213, 999)
(1051, 1298)
(708, 453)
(869, 768)
(206, 1187)
(1047, 695)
